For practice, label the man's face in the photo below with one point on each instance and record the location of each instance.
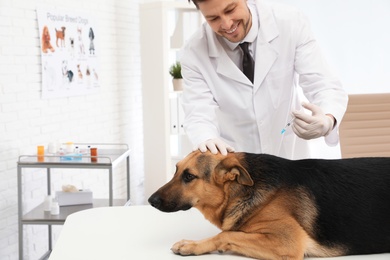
(230, 19)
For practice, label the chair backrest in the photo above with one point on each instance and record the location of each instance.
(365, 129)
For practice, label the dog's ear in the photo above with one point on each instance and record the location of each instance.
(230, 169)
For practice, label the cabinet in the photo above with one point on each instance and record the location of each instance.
(164, 27)
(109, 156)
(180, 144)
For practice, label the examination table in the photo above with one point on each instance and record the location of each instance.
(140, 232)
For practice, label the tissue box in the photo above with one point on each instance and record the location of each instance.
(74, 198)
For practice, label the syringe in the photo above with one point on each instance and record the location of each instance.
(288, 124)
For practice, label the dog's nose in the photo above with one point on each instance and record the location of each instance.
(155, 201)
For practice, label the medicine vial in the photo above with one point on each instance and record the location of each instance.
(52, 148)
(69, 148)
(55, 208)
(47, 203)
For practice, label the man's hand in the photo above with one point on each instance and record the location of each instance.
(312, 126)
(214, 145)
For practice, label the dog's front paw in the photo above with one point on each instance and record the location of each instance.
(185, 247)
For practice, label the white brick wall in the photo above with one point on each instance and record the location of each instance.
(113, 115)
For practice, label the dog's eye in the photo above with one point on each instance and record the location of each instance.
(188, 177)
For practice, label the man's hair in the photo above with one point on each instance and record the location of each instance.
(196, 2)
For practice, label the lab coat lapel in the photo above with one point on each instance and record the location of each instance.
(224, 65)
(266, 55)
(265, 58)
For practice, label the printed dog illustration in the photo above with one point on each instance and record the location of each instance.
(46, 45)
(60, 35)
(71, 47)
(91, 43)
(273, 208)
(79, 73)
(80, 41)
(66, 73)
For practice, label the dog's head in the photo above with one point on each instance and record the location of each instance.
(45, 34)
(199, 182)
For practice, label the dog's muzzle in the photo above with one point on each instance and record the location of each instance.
(167, 206)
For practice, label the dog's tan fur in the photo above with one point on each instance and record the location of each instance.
(274, 224)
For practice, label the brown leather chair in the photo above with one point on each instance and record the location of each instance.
(365, 129)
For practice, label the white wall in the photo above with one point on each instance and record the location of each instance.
(112, 115)
(355, 38)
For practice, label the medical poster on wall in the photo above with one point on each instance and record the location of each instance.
(69, 53)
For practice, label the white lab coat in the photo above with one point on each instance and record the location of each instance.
(219, 101)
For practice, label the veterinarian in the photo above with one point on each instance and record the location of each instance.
(225, 111)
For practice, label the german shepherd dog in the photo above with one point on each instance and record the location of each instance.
(273, 208)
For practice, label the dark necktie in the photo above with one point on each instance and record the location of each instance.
(248, 64)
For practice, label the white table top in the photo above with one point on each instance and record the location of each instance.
(140, 232)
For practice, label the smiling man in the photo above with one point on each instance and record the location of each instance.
(241, 72)
(231, 20)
